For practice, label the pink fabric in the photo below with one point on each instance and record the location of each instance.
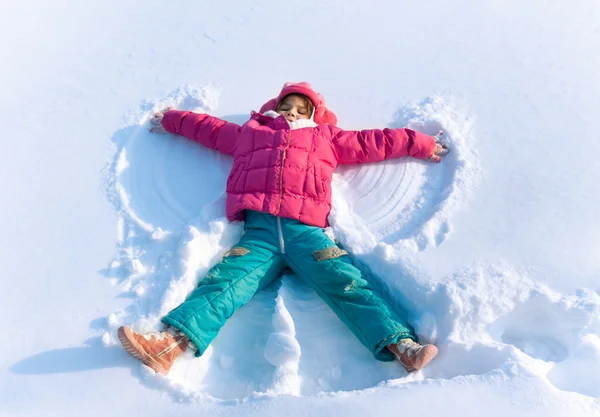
(322, 116)
(288, 172)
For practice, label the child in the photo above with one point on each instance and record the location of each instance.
(280, 185)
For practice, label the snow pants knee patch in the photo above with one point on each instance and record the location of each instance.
(331, 252)
(237, 251)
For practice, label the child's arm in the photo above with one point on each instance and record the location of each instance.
(207, 130)
(356, 147)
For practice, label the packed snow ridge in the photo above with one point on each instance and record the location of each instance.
(487, 318)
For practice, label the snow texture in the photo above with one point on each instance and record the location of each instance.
(491, 253)
(486, 318)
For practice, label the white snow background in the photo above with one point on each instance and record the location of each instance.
(494, 253)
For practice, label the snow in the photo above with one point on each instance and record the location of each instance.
(492, 253)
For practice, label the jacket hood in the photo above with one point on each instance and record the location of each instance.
(322, 115)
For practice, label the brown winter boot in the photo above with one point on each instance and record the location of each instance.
(158, 354)
(412, 355)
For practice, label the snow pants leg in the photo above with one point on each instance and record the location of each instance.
(268, 246)
(332, 274)
(249, 266)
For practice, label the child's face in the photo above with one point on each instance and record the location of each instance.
(294, 107)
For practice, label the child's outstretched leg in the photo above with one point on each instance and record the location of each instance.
(330, 271)
(249, 266)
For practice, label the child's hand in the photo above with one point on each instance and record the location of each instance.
(439, 150)
(156, 121)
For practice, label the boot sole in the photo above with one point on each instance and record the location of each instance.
(137, 351)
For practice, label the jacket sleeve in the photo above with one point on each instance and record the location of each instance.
(357, 147)
(207, 130)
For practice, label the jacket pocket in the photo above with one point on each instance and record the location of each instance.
(234, 176)
(321, 187)
(309, 188)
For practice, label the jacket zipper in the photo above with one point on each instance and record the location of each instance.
(281, 173)
(281, 242)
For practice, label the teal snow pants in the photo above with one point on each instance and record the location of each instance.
(269, 245)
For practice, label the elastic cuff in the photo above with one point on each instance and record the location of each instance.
(197, 343)
(175, 332)
(382, 354)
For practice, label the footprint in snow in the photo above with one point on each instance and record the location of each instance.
(561, 333)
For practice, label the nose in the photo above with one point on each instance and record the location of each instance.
(291, 113)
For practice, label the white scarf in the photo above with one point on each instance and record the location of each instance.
(296, 124)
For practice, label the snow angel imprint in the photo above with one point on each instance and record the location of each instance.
(280, 186)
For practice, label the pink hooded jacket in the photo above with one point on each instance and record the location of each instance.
(287, 172)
